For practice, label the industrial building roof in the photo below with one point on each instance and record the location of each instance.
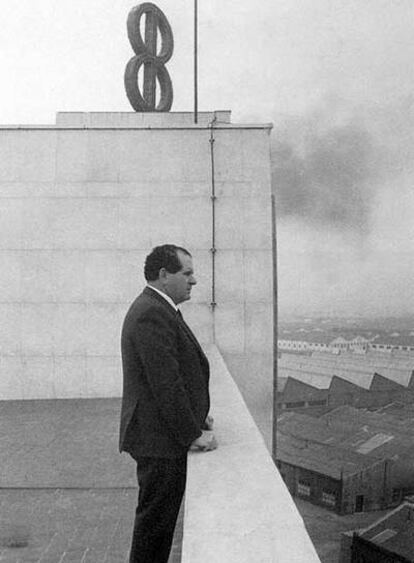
(395, 339)
(281, 382)
(325, 459)
(356, 368)
(394, 532)
(358, 437)
(401, 542)
(402, 411)
(310, 336)
(328, 336)
(316, 380)
(350, 417)
(304, 426)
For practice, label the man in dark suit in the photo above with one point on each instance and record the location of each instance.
(165, 400)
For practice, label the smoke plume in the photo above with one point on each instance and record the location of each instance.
(324, 173)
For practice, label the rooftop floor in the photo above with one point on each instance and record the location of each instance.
(66, 494)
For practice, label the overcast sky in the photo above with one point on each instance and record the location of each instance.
(336, 79)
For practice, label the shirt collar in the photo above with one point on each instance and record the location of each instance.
(165, 296)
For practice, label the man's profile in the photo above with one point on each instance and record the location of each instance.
(165, 401)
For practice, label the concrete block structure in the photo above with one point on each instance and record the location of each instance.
(83, 201)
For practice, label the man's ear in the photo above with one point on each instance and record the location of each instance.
(162, 274)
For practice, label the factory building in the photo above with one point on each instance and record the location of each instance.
(348, 460)
(303, 341)
(388, 540)
(320, 382)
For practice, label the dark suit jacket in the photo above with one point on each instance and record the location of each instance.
(165, 396)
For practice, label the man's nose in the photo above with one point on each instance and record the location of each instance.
(193, 281)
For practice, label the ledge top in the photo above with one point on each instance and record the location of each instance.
(78, 120)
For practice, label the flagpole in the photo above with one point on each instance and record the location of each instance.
(195, 61)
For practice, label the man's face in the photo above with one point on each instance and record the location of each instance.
(178, 286)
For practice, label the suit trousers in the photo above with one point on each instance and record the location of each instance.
(161, 483)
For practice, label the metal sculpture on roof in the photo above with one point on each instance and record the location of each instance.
(146, 55)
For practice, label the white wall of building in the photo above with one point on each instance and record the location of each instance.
(81, 205)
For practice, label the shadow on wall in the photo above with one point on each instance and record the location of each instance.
(253, 375)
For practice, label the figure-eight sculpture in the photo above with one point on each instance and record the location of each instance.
(146, 54)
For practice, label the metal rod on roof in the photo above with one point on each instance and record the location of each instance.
(275, 331)
(195, 61)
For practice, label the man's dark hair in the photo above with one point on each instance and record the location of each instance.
(165, 256)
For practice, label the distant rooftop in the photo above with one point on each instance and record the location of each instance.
(321, 458)
(343, 440)
(327, 335)
(310, 336)
(395, 339)
(359, 369)
(394, 532)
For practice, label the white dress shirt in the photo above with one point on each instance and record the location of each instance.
(165, 296)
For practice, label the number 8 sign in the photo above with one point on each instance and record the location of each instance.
(146, 54)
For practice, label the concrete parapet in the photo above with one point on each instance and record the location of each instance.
(237, 507)
(139, 119)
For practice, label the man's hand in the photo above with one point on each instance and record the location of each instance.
(208, 423)
(205, 443)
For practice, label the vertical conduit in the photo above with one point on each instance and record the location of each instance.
(213, 216)
(275, 330)
(195, 61)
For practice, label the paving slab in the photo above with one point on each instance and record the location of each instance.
(66, 494)
(62, 443)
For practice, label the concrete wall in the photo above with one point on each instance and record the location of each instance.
(81, 205)
(317, 482)
(375, 484)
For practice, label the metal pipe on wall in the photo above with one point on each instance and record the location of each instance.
(275, 329)
(213, 216)
(195, 61)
